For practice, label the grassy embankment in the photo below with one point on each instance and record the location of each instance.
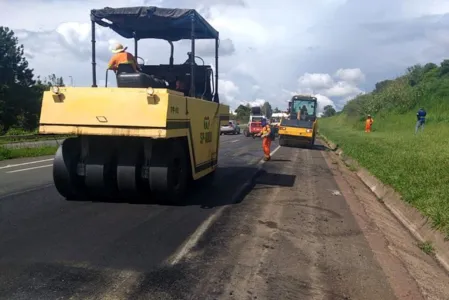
(6, 153)
(417, 166)
(12, 137)
(18, 135)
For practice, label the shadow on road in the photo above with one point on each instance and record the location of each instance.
(230, 185)
(283, 180)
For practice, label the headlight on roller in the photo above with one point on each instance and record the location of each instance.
(150, 91)
(55, 90)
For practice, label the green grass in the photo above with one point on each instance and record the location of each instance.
(18, 139)
(8, 140)
(17, 135)
(6, 153)
(417, 166)
(427, 248)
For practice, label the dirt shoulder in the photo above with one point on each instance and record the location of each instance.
(431, 279)
(310, 230)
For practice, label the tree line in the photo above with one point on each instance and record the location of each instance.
(20, 91)
(422, 85)
(242, 112)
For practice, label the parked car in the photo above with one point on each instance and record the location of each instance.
(232, 128)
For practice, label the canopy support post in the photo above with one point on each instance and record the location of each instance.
(216, 98)
(135, 45)
(192, 57)
(94, 63)
(172, 50)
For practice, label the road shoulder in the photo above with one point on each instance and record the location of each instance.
(428, 276)
(293, 237)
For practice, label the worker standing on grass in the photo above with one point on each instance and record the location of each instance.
(368, 123)
(266, 139)
(421, 119)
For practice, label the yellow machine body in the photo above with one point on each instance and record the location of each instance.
(138, 112)
(298, 133)
(300, 126)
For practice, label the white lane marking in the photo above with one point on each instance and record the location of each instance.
(275, 150)
(195, 237)
(234, 141)
(272, 152)
(24, 164)
(28, 169)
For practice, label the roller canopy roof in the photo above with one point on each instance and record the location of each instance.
(154, 22)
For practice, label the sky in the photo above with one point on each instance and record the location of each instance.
(333, 49)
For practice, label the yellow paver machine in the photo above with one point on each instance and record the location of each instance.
(142, 138)
(299, 128)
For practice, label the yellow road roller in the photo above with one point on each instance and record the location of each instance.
(147, 137)
(299, 127)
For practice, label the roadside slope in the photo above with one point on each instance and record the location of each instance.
(416, 166)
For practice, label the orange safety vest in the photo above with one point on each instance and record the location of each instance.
(122, 58)
(369, 122)
(266, 130)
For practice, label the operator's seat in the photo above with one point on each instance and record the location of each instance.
(128, 78)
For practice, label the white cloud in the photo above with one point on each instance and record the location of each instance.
(350, 75)
(257, 102)
(322, 102)
(315, 81)
(340, 87)
(318, 47)
(228, 91)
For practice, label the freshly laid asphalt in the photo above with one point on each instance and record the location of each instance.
(45, 239)
(290, 235)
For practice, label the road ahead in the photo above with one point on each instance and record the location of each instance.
(298, 232)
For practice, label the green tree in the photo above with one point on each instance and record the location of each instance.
(444, 67)
(415, 74)
(266, 109)
(329, 111)
(16, 82)
(242, 112)
(421, 85)
(20, 94)
(52, 80)
(381, 85)
(276, 110)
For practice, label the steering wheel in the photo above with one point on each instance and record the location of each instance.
(139, 66)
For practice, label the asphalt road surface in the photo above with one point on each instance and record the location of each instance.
(305, 228)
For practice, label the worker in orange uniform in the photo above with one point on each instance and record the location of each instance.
(266, 140)
(368, 123)
(121, 57)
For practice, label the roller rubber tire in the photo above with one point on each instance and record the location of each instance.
(129, 170)
(101, 175)
(169, 171)
(66, 181)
